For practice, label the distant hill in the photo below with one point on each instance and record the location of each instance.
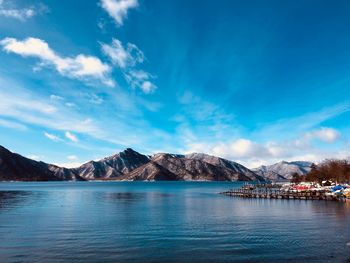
(283, 170)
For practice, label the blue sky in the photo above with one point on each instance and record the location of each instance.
(252, 81)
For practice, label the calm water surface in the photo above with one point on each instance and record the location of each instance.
(165, 222)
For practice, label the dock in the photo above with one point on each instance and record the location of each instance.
(276, 193)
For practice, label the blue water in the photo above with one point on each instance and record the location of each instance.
(165, 222)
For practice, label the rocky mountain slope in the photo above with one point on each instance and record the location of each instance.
(18, 168)
(283, 170)
(217, 161)
(165, 166)
(113, 166)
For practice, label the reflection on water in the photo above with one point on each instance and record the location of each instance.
(129, 196)
(164, 221)
(11, 199)
(341, 210)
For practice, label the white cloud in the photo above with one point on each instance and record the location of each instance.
(81, 67)
(126, 58)
(12, 12)
(328, 135)
(118, 9)
(236, 149)
(72, 157)
(69, 164)
(71, 136)
(241, 148)
(52, 137)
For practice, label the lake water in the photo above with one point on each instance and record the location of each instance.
(165, 222)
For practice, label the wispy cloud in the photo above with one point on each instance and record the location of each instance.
(30, 108)
(302, 123)
(10, 104)
(140, 79)
(126, 58)
(72, 157)
(56, 97)
(201, 110)
(122, 56)
(52, 137)
(71, 136)
(95, 99)
(12, 125)
(7, 9)
(83, 67)
(118, 9)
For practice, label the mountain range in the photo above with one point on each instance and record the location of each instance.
(131, 165)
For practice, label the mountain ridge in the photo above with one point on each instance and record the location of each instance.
(132, 165)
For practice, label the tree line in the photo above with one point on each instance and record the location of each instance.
(331, 170)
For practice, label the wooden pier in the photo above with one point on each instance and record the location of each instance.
(276, 193)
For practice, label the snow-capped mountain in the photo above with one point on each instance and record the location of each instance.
(113, 166)
(283, 170)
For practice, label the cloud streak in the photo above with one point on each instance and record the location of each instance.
(52, 137)
(12, 125)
